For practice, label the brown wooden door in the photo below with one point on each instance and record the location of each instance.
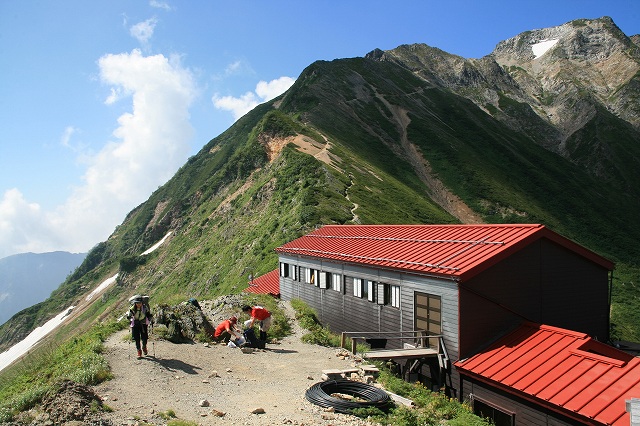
(427, 315)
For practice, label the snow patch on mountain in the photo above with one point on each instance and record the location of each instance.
(543, 46)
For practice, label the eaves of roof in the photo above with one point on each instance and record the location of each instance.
(268, 283)
(455, 251)
(560, 370)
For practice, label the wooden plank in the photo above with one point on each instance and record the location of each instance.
(401, 400)
(401, 353)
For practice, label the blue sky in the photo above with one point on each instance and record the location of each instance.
(102, 101)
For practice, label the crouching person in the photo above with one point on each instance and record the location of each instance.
(227, 330)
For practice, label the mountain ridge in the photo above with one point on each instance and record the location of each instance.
(410, 135)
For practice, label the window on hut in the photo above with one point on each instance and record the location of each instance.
(357, 287)
(336, 282)
(369, 292)
(498, 416)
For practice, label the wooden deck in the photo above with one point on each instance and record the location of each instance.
(412, 353)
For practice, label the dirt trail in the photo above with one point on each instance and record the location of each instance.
(179, 377)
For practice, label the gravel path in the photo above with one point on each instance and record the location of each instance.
(235, 384)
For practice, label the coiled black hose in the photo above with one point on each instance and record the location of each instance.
(320, 394)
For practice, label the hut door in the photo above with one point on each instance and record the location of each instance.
(427, 315)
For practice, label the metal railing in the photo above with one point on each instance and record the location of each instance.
(419, 338)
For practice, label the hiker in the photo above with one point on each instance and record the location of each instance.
(226, 329)
(261, 314)
(140, 316)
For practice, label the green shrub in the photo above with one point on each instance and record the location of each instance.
(203, 337)
(318, 335)
(6, 415)
(432, 408)
(93, 369)
(181, 423)
(78, 359)
(280, 326)
(169, 414)
(322, 336)
(130, 263)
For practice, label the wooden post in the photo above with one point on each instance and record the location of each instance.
(353, 345)
(343, 340)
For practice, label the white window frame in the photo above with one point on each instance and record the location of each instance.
(357, 287)
(381, 294)
(325, 280)
(311, 276)
(293, 272)
(394, 296)
(370, 290)
(336, 282)
(285, 270)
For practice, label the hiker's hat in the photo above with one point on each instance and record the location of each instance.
(135, 299)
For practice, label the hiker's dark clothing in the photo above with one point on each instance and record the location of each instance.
(140, 318)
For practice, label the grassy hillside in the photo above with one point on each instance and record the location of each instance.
(503, 175)
(231, 204)
(387, 133)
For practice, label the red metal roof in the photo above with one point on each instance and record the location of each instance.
(456, 251)
(562, 370)
(268, 283)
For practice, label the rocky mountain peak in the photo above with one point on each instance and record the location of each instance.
(594, 52)
(554, 85)
(588, 60)
(579, 40)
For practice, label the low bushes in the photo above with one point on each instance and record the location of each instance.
(431, 408)
(24, 384)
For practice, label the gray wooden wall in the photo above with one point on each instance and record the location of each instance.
(526, 413)
(342, 311)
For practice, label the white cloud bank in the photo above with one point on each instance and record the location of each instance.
(151, 143)
(265, 91)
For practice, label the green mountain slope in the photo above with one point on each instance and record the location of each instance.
(368, 140)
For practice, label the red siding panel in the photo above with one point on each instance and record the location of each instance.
(564, 371)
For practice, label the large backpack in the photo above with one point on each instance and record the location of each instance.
(145, 301)
(252, 339)
(145, 307)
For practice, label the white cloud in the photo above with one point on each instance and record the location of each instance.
(159, 4)
(143, 31)
(116, 94)
(274, 88)
(19, 221)
(233, 67)
(237, 106)
(265, 91)
(151, 143)
(66, 136)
